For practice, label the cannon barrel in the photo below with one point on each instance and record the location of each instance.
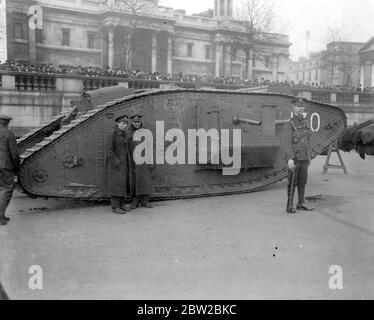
(238, 120)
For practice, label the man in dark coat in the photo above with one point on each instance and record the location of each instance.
(9, 165)
(142, 186)
(118, 165)
(298, 150)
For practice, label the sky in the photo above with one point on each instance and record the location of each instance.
(355, 19)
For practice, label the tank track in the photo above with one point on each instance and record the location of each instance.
(28, 154)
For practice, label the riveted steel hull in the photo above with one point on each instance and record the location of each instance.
(71, 162)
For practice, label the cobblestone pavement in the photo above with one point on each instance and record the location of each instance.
(233, 247)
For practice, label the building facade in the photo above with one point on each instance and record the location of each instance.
(96, 33)
(338, 65)
(305, 70)
(366, 55)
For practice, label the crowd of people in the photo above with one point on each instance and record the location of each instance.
(324, 86)
(18, 66)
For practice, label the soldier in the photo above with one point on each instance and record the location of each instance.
(118, 166)
(298, 135)
(142, 187)
(9, 165)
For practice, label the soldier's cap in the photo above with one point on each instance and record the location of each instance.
(137, 115)
(299, 102)
(120, 118)
(5, 117)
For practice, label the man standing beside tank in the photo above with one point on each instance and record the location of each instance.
(9, 165)
(141, 188)
(118, 165)
(297, 139)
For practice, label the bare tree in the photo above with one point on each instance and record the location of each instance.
(135, 12)
(329, 57)
(340, 59)
(254, 20)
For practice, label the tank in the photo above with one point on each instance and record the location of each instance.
(88, 101)
(70, 163)
(359, 138)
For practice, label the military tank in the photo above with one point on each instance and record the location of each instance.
(70, 163)
(88, 101)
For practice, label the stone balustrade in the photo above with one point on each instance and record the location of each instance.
(33, 99)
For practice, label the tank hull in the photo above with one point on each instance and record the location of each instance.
(71, 162)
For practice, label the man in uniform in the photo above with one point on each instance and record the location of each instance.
(118, 176)
(298, 150)
(142, 181)
(9, 165)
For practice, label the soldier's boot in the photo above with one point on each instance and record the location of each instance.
(145, 202)
(134, 202)
(3, 222)
(301, 203)
(3, 219)
(118, 211)
(124, 206)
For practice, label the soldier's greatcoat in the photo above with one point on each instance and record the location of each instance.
(142, 173)
(118, 169)
(9, 166)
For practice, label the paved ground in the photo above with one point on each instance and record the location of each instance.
(233, 247)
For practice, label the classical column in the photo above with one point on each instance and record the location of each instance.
(218, 49)
(372, 75)
(228, 60)
(362, 77)
(154, 52)
(275, 68)
(111, 47)
(250, 65)
(32, 46)
(170, 56)
(104, 48)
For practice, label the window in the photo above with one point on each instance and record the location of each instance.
(234, 54)
(18, 30)
(91, 36)
(208, 52)
(229, 8)
(65, 37)
(222, 9)
(189, 50)
(267, 62)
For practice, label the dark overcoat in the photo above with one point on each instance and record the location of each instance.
(118, 168)
(142, 174)
(9, 153)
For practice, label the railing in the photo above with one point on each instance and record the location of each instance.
(321, 96)
(367, 98)
(35, 82)
(97, 83)
(77, 83)
(344, 98)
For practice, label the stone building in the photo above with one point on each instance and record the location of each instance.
(305, 70)
(337, 65)
(95, 33)
(366, 55)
